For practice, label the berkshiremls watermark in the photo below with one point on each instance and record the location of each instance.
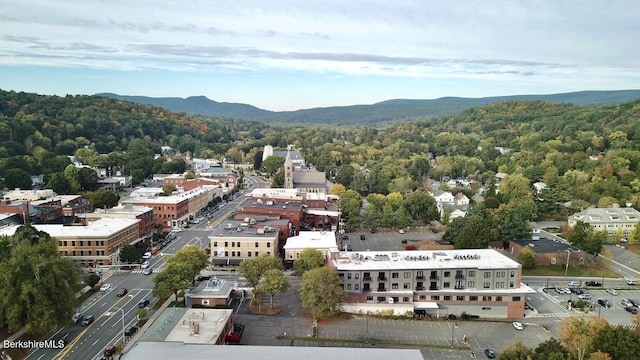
(33, 344)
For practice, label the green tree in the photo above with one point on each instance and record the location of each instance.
(516, 351)
(103, 199)
(88, 179)
(17, 179)
(527, 257)
(253, 270)
(578, 334)
(345, 175)
(194, 258)
(172, 279)
(350, 205)
(38, 287)
(421, 206)
(73, 177)
(91, 279)
(168, 189)
(273, 282)
(514, 187)
(272, 164)
(129, 254)
(474, 235)
(321, 291)
(619, 342)
(59, 184)
(307, 260)
(551, 349)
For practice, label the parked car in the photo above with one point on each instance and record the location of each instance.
(147, 255)
(147, 271)
(567, 291)
(110, 350)
(604, 302)
(490, 353)
(584, 296)
(593, 283)
(577, 291)
(88, 320)
(202, 277)
(401, 231)
(122, 292)
(105, 287)
(77, 317)
(131, 331)
(573, 283)
(612, 291)
(345, 237)
(626, 303)
(631, 310)
(362, 237)
(143, 303)
(404, 241)
(517, 325)
(559, 290)
(372, 230)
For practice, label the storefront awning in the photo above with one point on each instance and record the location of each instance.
(220, 262)
(235, 262)
(425, 305)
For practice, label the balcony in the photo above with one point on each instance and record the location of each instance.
(381, 289)
(366, 278)
(434, 277)
(382, 278)
(420, 277)
(459, 287)
(433, 288)
(459, 277)
(419, 287)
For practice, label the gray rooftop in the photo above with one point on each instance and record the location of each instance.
(546, 246)
(176, 350)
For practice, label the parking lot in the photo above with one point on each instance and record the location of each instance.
(388, 240)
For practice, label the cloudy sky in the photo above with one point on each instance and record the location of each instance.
(296, 54)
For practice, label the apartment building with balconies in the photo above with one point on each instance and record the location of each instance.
(437, 283)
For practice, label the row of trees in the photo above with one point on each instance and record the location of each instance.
(37, 286)
(180, 271)
(581, 338)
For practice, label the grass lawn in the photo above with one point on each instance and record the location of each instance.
(574, 271)
(633, 248)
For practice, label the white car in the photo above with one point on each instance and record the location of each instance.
(401, 231)
(517, 325)
(612, 291)
(147, 255)
(144, 265)
(626, 303)
(573, 283)
(567, 291)
(105, 287)
(585, 296)
(177, 229)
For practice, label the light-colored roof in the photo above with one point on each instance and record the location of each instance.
(171, 199)
(312, 240)
(176, 350)
(211, 323)
(99, 228)
(422, 260)
(239, 229)
(276, 193)
(607, 215)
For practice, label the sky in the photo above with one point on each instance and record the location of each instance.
(298, 54)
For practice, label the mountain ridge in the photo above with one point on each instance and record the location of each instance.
(388, 111)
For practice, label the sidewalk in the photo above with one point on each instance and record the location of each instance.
(147, 324)
(15, 336)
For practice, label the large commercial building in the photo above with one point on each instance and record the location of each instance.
(437, 283)
(234, 241)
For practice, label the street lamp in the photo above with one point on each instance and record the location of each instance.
(453, 328)
(123, 337)
(567, 266)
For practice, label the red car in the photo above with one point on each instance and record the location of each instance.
(122, 292)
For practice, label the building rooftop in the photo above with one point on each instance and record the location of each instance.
(175, 350)
(546, 246)
(424, 259)
(312, 240)
(607, 215)
(276, 193)
(171, 199)
(272, 204)
(176, 324)
(213, 287)
(236, 228)
(22, 194)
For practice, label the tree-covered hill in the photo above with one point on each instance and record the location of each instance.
(382, 113)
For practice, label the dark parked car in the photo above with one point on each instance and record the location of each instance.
(130, 331)
(362, 237)
(631, 310)
(577, 291)
(110, 350)
(593, 283)
(203, 277)
(88, 320)
(143, 303)
(490, 353)
(404, 241)
(372, 230)
(604, 302)
(122, 292)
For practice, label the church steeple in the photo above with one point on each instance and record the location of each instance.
(288, 172)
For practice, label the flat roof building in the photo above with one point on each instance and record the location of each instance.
(482, 282)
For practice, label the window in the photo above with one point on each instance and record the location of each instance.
(394, 286)
(405, 299)
(486, 298)
(348, 276)
(447, 298)
(381, 299)
(407, 274)
(447, 274)
(369, 298)
(498, 298)
(226, 244)
(446, 284)
(256, 244)
(471, 284)
(249, 253)
(512, 274)
(486, 308)
(255, 253)
(460, 298)
(348, 286)
(395, 275)
(226, 253)
(233, 253)
(486, 285)
(357, 287)
(268, 244)
(435, 297)
(473, 298)
(406, 285)
(511, 284)
(423, 297)
(215, 243)
(357, 276)
(516, 298)
(487, 274)
(205, 302)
